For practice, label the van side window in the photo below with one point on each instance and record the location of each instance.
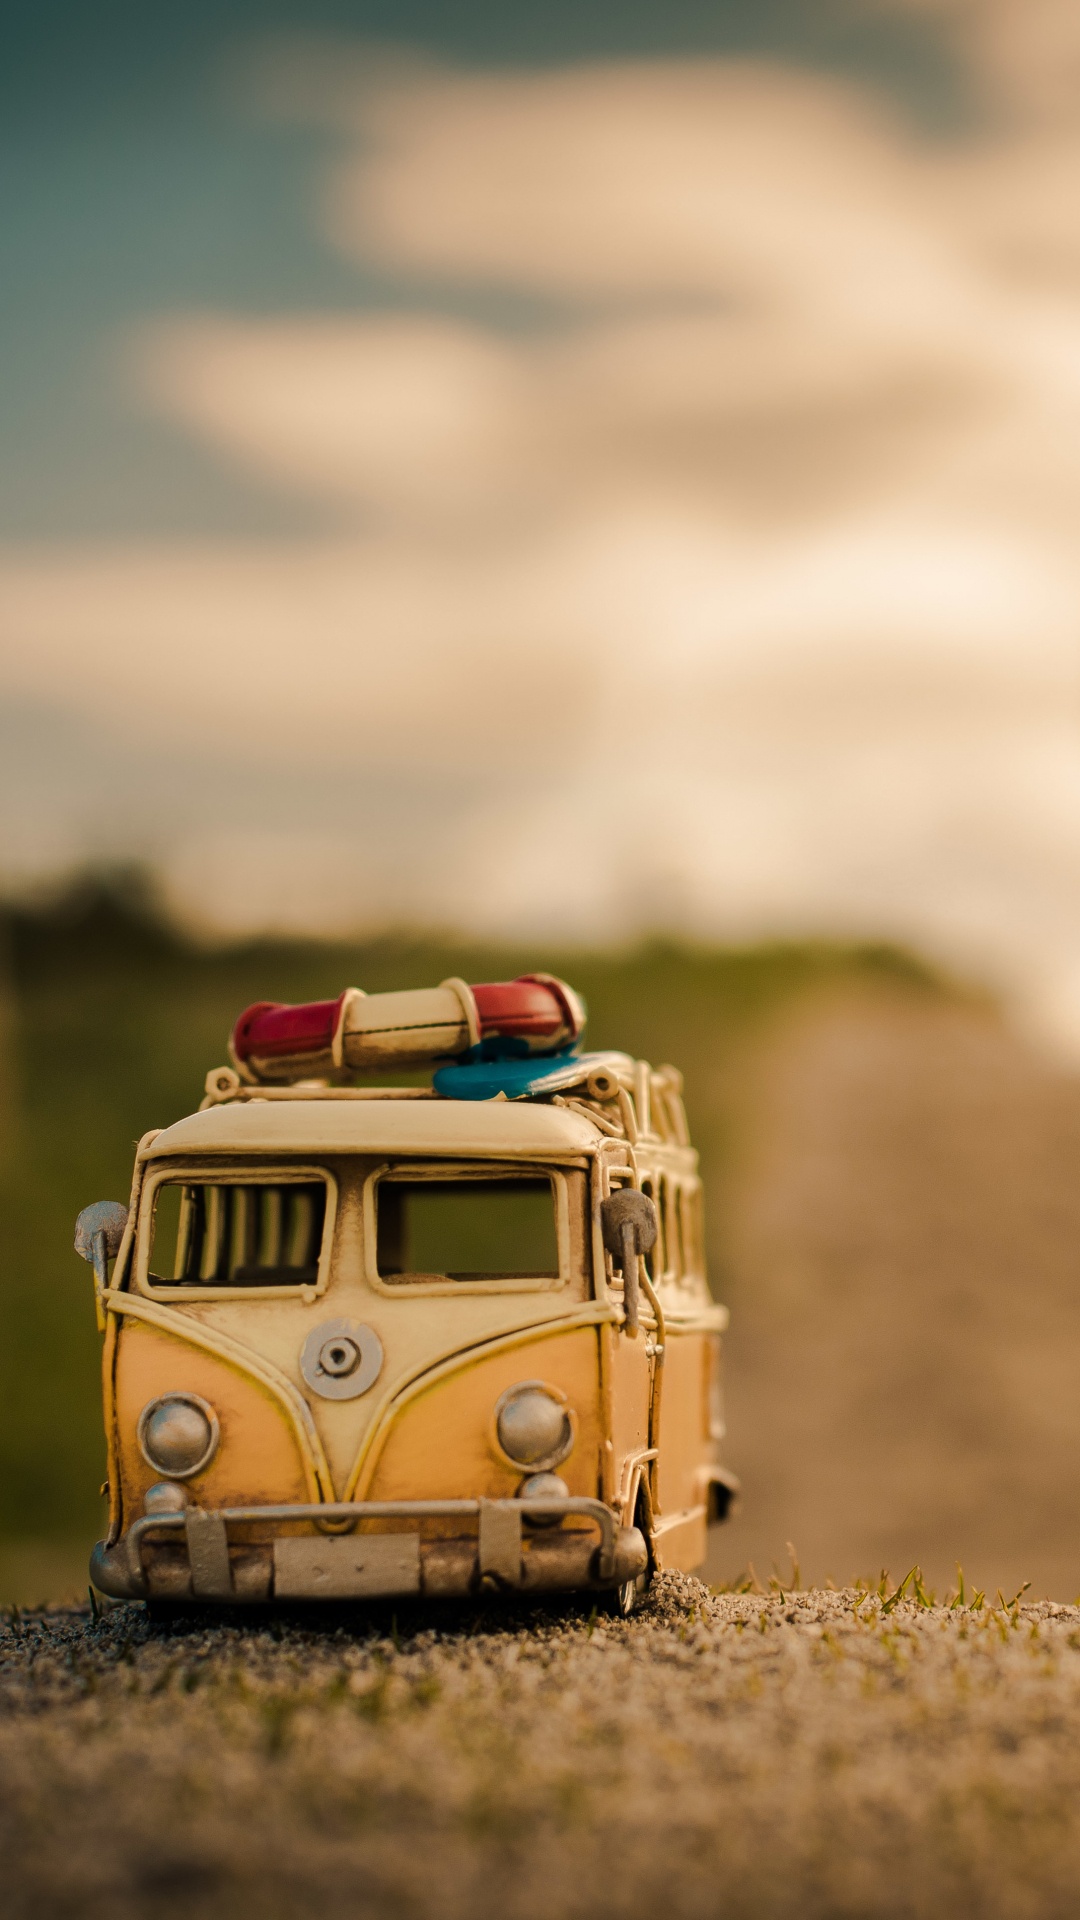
(460, 1229)
(227, 1234)
(654, 1259)
(673, 1253)
(692, 1236)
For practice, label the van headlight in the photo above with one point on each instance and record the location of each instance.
(533, 1425)
(178, 1434)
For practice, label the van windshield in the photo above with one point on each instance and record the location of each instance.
(227, 1233)
(466, 1229)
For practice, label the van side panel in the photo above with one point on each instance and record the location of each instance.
(685, 1448)
(631, 1374)
(685, 1443)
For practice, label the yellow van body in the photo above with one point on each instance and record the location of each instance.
(378, 1430)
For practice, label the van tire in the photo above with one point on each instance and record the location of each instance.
(622, 1601)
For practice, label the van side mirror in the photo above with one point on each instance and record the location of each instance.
(628, 1225)
(98, 1232)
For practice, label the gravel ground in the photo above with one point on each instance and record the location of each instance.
(810, 1753)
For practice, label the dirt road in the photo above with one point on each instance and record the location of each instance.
(810, 1754)
(901, 1254)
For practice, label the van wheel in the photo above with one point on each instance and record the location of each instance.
(621, 1601)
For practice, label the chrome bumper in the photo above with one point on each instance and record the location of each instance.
(208, 1554)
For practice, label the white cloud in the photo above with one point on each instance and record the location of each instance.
(746, 593)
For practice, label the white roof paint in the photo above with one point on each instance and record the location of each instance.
(305, 1127)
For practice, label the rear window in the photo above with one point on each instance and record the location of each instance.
(231, 1234)
(465, 1230)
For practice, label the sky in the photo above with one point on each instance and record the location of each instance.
(568, 472)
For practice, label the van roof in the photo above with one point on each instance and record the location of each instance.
(496, 1128)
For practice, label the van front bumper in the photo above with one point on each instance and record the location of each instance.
(369, 1549)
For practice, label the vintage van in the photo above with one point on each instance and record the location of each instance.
(364, 1340)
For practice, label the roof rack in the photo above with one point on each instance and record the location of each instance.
(626, 1098)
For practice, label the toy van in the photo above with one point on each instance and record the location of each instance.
(365, 1340)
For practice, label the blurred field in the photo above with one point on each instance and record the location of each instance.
(894, 1219)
